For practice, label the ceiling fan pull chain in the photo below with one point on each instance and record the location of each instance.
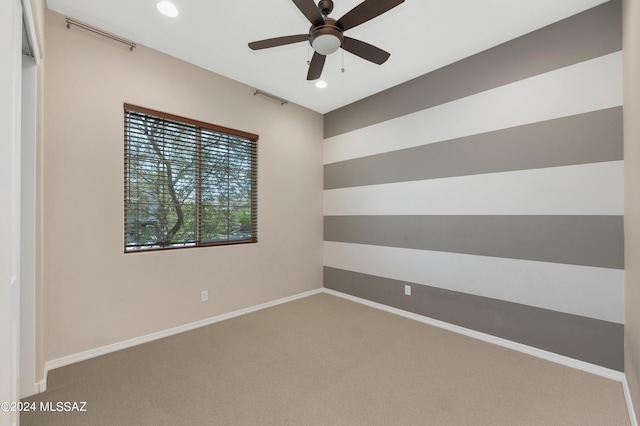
(342, 69)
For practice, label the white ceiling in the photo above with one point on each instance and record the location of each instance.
(421, 35)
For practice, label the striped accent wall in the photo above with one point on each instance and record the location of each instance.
(493, 186)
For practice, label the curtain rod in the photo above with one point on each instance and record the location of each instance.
(269, 95)
(70, 22)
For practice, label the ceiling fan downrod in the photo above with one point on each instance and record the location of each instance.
(325, 6)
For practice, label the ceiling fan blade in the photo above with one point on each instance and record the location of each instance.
(310, 10)
(366, 11)
(278, 41)
(365, 50)
(315, 67)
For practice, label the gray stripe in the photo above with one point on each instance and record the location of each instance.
(577, 240)
(586, 138)
(594, 341)
(587, 35)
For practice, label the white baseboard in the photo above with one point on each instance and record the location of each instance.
(529, 350)
(627, 396)
(33, 391)
(92, 353)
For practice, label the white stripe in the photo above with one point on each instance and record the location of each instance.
(580, 290)
(588, 86)
(585, 189)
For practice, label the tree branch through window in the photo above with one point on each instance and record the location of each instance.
(187, 183)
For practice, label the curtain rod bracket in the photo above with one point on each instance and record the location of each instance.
(87, 27)
(269, 95)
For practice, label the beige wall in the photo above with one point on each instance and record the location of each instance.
(631, 48)
(94, 295)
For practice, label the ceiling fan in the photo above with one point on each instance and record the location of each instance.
(326, 34)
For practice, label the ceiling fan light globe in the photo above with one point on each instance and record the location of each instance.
(326, 44)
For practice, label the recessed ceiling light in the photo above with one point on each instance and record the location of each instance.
(321, 84)
(167, 8)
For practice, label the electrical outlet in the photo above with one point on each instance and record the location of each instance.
(407, 290)
(204, 295)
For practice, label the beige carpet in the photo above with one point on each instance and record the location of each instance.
(323, 360)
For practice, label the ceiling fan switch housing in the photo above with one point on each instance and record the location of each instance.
(325, 39)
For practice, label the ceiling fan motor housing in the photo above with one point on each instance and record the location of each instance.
(326, 39)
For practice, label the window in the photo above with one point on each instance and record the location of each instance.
(187, 183)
